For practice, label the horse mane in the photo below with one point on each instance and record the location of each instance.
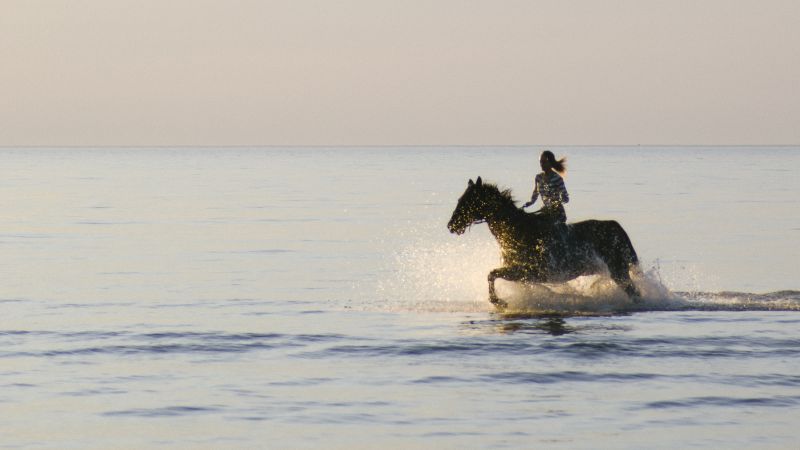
(504, 194)
(507, 202)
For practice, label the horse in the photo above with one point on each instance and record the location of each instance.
(535, 248)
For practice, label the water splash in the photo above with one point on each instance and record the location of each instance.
(588, 295)
(450, 275)
(787, 300)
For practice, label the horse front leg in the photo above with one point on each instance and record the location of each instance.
(506, 273)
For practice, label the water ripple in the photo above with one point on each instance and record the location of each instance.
(124, 343)
(169, 411)
(725, 402)
(567, 376)
(421, 349)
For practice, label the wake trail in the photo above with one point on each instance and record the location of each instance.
(599, 295)
(451, 277)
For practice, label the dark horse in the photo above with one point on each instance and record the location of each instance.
(537, 249)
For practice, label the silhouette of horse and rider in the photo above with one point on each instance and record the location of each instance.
(540, 247)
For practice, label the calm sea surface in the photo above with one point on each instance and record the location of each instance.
(313, 298)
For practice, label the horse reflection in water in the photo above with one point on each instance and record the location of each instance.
(536, 249)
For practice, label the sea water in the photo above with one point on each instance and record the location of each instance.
(313, 298)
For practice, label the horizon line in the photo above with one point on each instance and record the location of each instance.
(157, 146)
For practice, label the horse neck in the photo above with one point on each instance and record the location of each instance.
(502, 216)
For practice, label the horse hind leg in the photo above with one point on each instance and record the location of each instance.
(622, 258)
(630, 288)
(620, 274)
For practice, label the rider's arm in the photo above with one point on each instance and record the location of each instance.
(535, 193)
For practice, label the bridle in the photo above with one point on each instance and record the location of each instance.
(477, 222)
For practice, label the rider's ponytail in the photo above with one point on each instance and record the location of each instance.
(559, 165)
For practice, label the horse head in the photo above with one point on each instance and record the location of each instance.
(470, 208)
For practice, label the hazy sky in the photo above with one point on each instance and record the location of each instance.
(341, 72)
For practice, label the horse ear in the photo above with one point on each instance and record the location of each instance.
(470, 184)
(479, 182)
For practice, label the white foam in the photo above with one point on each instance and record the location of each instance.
(450, 275)
(593, 294)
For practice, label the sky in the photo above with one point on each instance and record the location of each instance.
(399, 72)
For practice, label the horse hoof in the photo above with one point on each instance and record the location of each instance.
(499, 304)
(635, 297)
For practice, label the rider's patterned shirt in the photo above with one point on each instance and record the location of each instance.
(553, 191)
